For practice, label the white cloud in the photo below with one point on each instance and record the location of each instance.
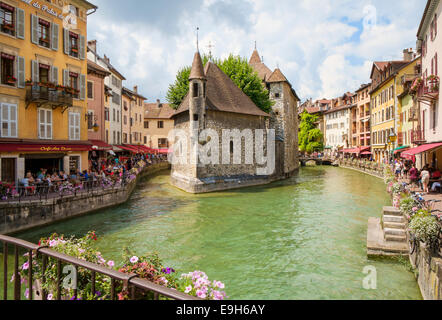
(319, 45)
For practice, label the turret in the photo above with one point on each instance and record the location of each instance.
(197, 101)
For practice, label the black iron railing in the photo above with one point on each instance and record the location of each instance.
(130, 282)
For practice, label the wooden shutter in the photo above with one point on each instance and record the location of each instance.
(82, 87)
(66, 81)
(20, 23)
(435, 64)
(21, 72)
(55, 75)
(81, 47)
(34, 29)
(55, 31)
(66, 41)
(35, 71)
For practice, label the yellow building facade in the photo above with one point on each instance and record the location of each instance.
(43, 101)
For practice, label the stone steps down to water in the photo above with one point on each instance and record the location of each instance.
(387, 237)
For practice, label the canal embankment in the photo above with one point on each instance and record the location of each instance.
(389, 236)
(21, 216)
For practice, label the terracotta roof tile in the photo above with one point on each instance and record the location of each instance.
(152, 111)
(277, 76)
(197, 71)
(222, 94)
(255, 59)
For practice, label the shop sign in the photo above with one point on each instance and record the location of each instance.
(43, 7)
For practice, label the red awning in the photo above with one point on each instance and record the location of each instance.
(351, 150)
(164, 151)
(43, 147)
(128, 148)
(100, 145)
(366, 153)
(411, 154)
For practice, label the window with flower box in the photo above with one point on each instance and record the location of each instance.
(7, 70)
(7, 21)
(73, 80)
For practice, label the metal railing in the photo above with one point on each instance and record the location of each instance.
(130, 282)
(56, 190)
(38, 93)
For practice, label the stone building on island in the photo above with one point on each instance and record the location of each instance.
(215, 103)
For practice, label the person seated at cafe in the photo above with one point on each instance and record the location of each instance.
(41, 176)
(436, 174)
(85, 175)
(30, 178)
(48, 180)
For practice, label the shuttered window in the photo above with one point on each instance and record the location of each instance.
(74, 126)
(20, 23)
(45, 123)
(8, 120)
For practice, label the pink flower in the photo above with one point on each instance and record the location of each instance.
(27, 293)
(110, 263)
(134, 259)
(50, 296)
(52, 243)
(415, 209)
(25, 266)
(188, 289)
(81, 250)
(201, 294)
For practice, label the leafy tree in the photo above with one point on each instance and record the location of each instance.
(238, 69)
(311, 139)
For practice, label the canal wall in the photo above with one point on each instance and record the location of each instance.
(429, 272)
(366, 168)
(16, 217)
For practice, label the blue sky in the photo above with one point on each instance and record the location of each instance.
(324, 47)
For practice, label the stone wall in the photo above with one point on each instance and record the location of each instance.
(216, 177)
(429, 272)
(15, 217)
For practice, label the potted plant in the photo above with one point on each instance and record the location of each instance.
(11, 79)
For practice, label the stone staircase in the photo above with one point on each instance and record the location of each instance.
(394, 225)
(387, 236)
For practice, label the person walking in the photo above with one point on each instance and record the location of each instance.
(425, 178)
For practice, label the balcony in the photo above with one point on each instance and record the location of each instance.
(45, 96)
(429, 90)
(418, 137)
(413, 115)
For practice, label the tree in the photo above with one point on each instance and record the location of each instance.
(311, 139)
(238, 69)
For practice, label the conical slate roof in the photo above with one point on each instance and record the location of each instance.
(222, 94)
(255, 58)
(277, 76)
(197, 71)
(256, 63)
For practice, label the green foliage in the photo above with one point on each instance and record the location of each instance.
(425, 227)
(238, 69)
(311, 139)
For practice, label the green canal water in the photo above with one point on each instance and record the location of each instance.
(304, 238)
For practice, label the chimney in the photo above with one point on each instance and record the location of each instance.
(136, 89)
(106, 59)
(158, 103)
(408, 54)
(92, 45)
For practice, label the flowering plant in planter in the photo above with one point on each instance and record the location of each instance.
(11, 79)
(79, 248)
(148, 267)
(416, 85)
(198, 284)
(425, 227)
(408, 207)
(397, 188)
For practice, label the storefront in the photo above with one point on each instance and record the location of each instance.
(427, 154)
(16, 159)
